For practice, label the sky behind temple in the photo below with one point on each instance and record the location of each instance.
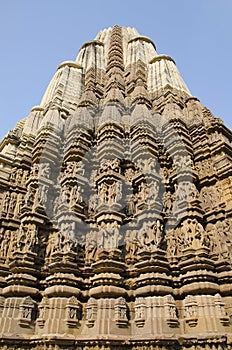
(37, 35)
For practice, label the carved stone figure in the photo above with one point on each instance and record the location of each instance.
(116, 209)
(6, 202)
(44, 170)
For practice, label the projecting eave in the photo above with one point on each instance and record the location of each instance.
(69, 64)
(92, 42)
(142, 38)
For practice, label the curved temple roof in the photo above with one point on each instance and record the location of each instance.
(138, 53)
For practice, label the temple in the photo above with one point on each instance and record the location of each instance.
(115, 209)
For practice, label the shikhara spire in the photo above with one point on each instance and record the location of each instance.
(115, 209)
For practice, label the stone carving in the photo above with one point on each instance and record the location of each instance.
(18, 206)
(27, 238)
(129, 175)
(91, 246)
(75, 195)
(91, 312)
(190, 311)
(26, 308)
(110, 193)
(110, 165)
(93, 204)
(183, 162)
(174, 242)
(167, 203)
(204, 168)
(42, 309)
(72, 169)
(220, 310)
(211, 197)
(44, 170)
(147, 165)
(170, 311)
(117, 203)
(186, 192)
(120, 312)
(73, 309)
(6, 202)
(109, 235)
(132, 244)
(131, 204)
(12, 204)
(35, 170)
(193, 234)
(150, 235)
(140, 312)
(29, 196)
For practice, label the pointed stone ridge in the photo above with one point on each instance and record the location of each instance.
(116, 209)
(115, 53)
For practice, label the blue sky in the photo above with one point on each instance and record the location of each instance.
(37, 35)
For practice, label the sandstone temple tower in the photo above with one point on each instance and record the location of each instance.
(115, 209)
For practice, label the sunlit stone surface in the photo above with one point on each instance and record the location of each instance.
(115, 209)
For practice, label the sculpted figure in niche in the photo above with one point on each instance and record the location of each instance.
(109, 235)
(45, 170)
(6, 202)
(91, 246)
(150, 235)
(193, 234)
(224, 238)
(35, 170)
(25, 176)
(140, 306)
(12, 204)
(21, 239)
(93, 177)
(102, 192)
(91, 311)
(13, 174)
(75, 196)
(190, 307)
(43, 194)
(165, 174)
(213, 241)
(132, 244)
(172, 243)
(19, 176)
(5, 243)
(186, 191)
(183, 162)
(69, 168)
(67, 237)
(58, 244)
(120, 309)
(65, 194)
(31, 238)
(142, 192)
(129, 175)
(29, 196)
(152, 192)
(167, 203)
(51, 245)
(147, 165)
(110, 164)
(114, 192)
(131, 206)
(93, 203)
